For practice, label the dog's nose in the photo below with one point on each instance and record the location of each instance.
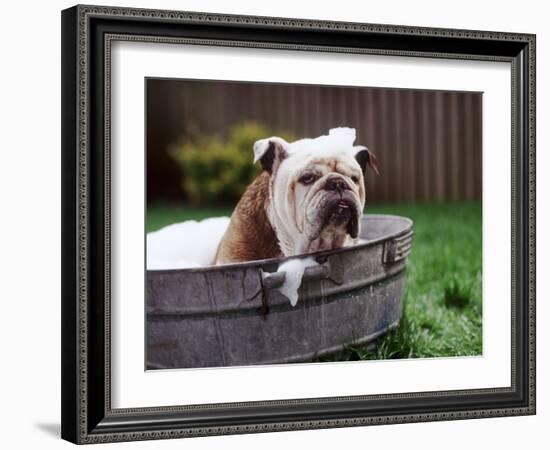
(336, 184)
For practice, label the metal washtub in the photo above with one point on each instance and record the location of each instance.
(233, 315)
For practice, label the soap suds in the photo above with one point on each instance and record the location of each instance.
(185, 245)
(194, 243)
(294, 271)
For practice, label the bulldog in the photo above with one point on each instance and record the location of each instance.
(309, 197)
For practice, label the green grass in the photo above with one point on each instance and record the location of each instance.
(442, 304)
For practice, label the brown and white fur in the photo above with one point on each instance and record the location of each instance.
(309, 197)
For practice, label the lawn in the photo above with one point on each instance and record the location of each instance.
(442, 305)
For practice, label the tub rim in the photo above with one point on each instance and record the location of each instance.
(315, 255)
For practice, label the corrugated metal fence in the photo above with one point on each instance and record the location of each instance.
(428, 143)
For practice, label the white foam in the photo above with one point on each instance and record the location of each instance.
(338, 139)
(185, 244)
(194, 243)
(294, 271)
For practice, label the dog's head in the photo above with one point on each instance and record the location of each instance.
(317, 189)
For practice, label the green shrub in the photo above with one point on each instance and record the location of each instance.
(215, 169)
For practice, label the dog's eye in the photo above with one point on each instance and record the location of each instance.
(307, 178)
(355, 179)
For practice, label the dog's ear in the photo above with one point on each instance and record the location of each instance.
(365, 157)
(270, 152)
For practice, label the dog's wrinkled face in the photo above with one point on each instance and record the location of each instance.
(317, 190)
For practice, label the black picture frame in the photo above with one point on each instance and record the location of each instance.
(87, 415)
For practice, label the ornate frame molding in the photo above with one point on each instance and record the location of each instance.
(83, 421)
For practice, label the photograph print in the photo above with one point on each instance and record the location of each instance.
(296, 223)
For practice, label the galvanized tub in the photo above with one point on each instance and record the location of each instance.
(233, 315)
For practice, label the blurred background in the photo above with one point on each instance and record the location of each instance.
(428, 143)
(429, 150)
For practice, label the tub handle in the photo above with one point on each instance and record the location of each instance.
(398, 248)
(329, 270)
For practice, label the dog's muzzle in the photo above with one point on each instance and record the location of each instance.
(340, 208)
